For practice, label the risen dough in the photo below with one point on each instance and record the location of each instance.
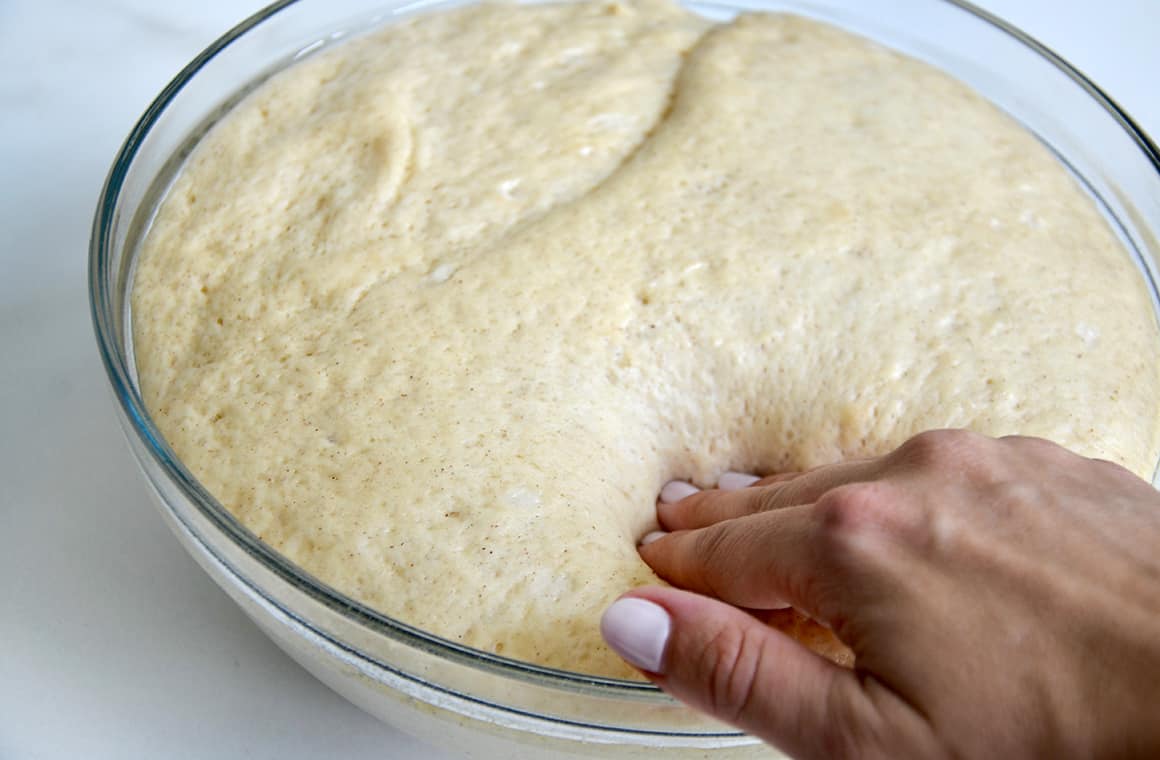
(436, 313)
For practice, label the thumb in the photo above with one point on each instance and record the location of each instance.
(728, 664)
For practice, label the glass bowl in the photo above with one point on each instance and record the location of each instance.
(461, 698)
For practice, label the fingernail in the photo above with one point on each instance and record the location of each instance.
(675, 490)
(638, 631)
(734, 481)
(653, 536)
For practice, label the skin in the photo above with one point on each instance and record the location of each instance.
(1002, 598)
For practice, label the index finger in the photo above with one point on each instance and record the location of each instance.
(757, 561)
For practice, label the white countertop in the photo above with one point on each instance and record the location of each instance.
(113, 643)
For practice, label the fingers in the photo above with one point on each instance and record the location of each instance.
(684, 507)
(758, 561)
(724, 662)
(854, 543)
(732, 481)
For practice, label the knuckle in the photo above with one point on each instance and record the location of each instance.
(711, 543)
(1035, 446)
(774, 496)
(781, 477)
(713, 548)
(1115, 469)
(696, 507)
(789, 491)
(732, 661)
(851, 509)
(857, 520)
(1030, 442)
(954, 453)
(938, 448)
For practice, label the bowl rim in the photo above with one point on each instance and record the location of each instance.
(109, 319)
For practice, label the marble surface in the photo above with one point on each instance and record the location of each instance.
(113, 643)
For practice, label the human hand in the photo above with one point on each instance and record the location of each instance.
(1002, 599)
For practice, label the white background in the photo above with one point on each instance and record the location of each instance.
(112, 642)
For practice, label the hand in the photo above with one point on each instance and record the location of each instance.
(1001, 597)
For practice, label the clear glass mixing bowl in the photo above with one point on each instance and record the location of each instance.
(480, 703)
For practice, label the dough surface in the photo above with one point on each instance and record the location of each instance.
(437, 312)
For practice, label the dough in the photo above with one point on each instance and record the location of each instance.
(438, 311)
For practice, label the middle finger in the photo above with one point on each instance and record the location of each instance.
(706, 508)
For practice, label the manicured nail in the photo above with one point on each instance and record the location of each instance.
(653, 536)
(675, 490)
(735, 481)
(638, 631)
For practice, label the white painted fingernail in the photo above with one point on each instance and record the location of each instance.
(675, 490)
(734, 481)
(638, 631)
(653, 536)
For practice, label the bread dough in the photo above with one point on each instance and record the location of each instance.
(437, 312)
